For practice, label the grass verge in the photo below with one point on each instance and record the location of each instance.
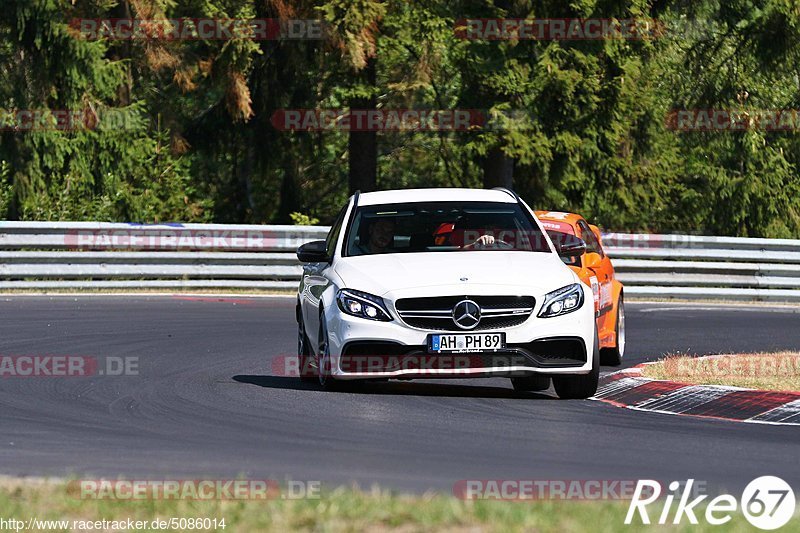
(765, 371)
(342, 509)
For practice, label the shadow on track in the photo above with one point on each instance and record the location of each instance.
(398, 388)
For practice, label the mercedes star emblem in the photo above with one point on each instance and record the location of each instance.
(466, 314)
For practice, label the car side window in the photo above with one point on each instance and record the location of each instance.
(592, 244)
(558, 237)
(333, 234)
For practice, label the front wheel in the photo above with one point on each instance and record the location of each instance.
(324, 356)
(580, 386)
(306, 371)
(613, 356)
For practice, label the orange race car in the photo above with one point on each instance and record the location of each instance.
(595, 269)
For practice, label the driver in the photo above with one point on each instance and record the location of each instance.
(381, 234)
(380, 237)
(484, 240)
(446, 234)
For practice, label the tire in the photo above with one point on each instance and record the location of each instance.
(326, 381)
(580, 386)
(531, 383)
(613, 356)
(307, 374)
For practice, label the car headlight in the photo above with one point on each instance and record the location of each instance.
(362, 305)
(564, 300)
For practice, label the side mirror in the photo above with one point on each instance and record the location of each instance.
(313, 252)
(592, 260)
(567, 245)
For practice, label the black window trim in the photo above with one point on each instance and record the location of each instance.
(584, 226)
(333, 234)
(349, 223)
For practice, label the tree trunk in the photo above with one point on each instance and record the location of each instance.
(363, 145)
(498, 169)
(290, 195)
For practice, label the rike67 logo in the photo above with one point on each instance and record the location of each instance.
(767, 502)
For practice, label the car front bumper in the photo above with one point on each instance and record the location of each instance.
(365, 349)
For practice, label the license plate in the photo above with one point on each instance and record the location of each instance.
(466, 342)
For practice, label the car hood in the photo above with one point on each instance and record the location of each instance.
(453, 272)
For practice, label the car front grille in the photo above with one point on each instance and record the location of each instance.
(436, 313)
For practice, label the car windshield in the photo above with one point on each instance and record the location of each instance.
(443, 227)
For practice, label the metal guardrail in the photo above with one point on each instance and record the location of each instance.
(705, 267)
(86, 255)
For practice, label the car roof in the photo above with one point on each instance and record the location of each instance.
(399, 196)
(559, 216)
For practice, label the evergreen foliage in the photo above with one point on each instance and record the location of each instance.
(180, 130)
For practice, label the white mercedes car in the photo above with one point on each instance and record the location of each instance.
(445, 283)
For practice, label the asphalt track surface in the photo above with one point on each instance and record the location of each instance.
(205, 403)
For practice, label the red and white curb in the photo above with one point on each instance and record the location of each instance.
(627, 388)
